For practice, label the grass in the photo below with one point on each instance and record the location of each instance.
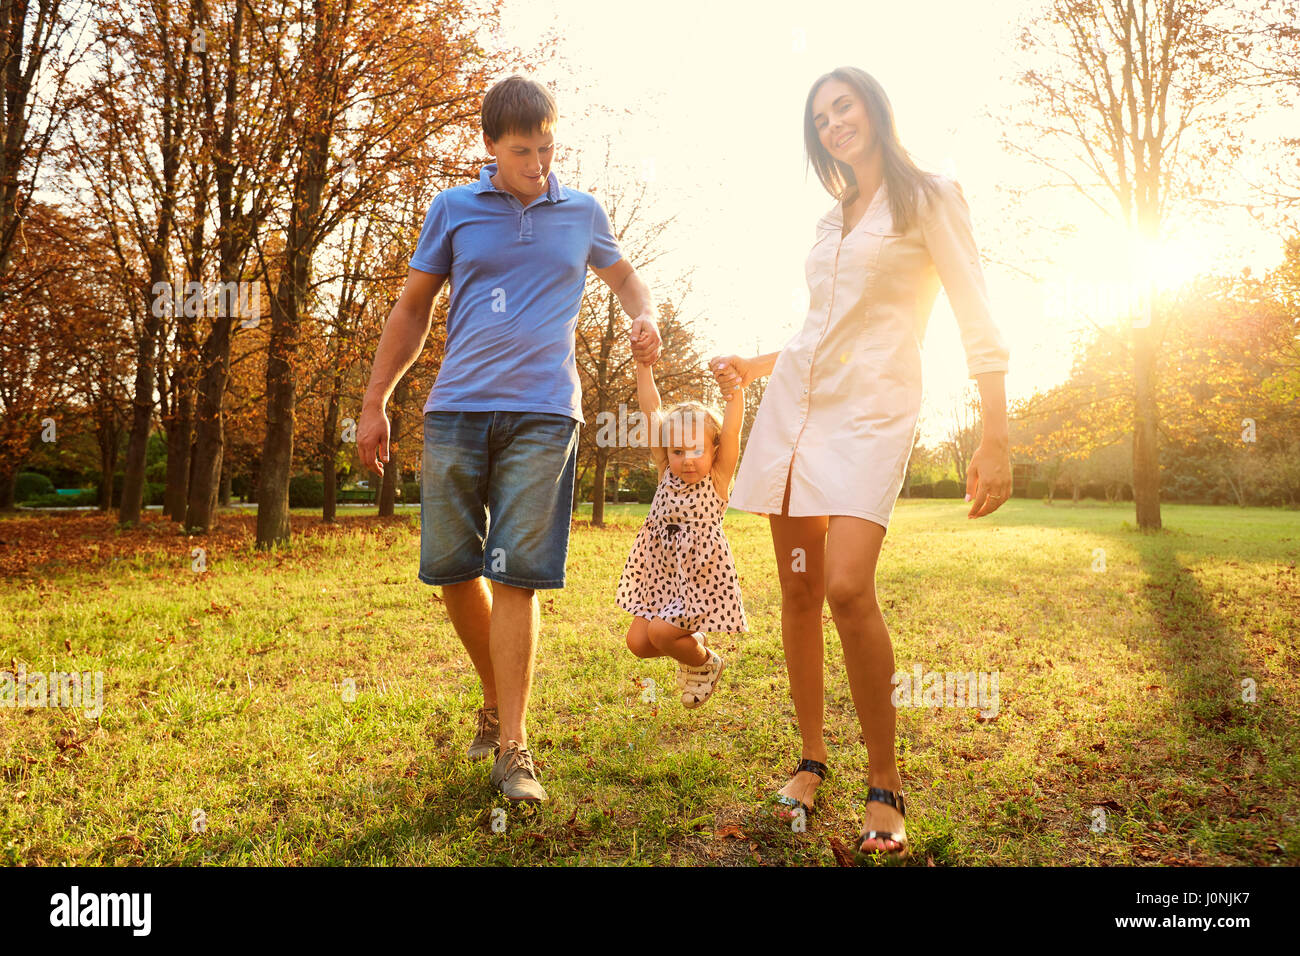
(226, 737)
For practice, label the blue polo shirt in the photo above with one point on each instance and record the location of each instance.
(516, 276)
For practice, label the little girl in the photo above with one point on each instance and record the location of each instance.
(680, 579)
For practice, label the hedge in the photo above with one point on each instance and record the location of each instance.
(30, 484)
(87, 497)
(307, 491)
(947, 488)
(153, 491)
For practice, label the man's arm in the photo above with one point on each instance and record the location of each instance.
(634, 295)
(399, 346)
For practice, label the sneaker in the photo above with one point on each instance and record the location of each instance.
(488, 739)
(683, 670)
(702, 680)
(513, 774)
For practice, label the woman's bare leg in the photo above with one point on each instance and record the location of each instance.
(800, 546)
(852, 549)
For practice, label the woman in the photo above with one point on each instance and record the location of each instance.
(831, 439)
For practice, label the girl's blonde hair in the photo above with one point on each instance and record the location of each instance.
(697, 412)
(712, 422)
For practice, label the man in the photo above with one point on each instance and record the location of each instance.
(501, 422)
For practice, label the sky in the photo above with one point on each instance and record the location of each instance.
(704, 101)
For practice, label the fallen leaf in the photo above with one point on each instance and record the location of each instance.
(843, 855)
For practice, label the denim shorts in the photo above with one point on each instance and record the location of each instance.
(496, 497)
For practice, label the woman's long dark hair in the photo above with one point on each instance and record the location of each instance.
(902, 176)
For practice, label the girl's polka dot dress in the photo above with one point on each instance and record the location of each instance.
(681, 568)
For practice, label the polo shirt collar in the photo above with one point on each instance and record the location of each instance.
(554, 191)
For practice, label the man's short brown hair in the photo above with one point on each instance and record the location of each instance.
(518, 105)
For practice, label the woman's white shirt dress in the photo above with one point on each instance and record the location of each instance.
(840, 411)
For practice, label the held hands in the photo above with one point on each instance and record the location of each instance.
(732, 373)
(644, 339)
(988, 478)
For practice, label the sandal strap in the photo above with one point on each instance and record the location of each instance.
(881, 795)
(883, 835)
(812, 766)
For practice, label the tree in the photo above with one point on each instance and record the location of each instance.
(135, 198)
(242, 147)
(964, 432)
(45, 312)
(606, 369)
(31, 61)
(394, 83)
(1126, 86)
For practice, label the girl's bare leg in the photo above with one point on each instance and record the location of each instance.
(638, 639)
(674, 642)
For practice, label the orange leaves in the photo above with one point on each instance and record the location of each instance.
(37, 546)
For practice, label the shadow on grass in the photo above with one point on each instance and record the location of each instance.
(1206, 666)
(1205, 663)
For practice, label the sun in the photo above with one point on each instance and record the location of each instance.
(1109, 275)
(1166, 263)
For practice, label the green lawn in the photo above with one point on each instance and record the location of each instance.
(224, 693)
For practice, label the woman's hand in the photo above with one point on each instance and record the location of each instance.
(988, 478)
(732, 372)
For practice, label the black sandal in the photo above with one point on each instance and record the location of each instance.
(812, 766)
(901, 852)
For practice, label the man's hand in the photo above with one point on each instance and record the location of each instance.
(372, 439)
(731, 372)
(644, 339)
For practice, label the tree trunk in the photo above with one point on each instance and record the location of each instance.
(329, 445)
(180, 441)
(393, 469)
(1146, 455)
(142, 403)
(209, 426)
(107, 465)
(577, 489)
(277, 448)
(598, 488)
(224, 495)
